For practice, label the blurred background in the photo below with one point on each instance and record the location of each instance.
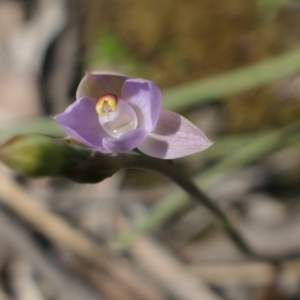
(233, 68)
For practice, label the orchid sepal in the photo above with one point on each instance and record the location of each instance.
(174, 137)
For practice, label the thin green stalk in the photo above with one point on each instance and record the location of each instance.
(251, 151)
(184, 181)
(238, 80)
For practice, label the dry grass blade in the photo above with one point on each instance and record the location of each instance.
(15, 236)
(246, 273)
(23, 283)
(167, 270)
(255, 274)
(3, 295)
(57, 230)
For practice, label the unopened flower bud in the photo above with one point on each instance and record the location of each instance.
(40, 155)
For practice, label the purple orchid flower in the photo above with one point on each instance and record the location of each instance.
(114, 113)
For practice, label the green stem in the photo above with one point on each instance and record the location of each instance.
(183, 180)
(241, 79)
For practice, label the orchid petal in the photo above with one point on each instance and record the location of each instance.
(128, 141)
(173, 137)
(145, 98)
(80, 122)
(116, 122)
(96, 84)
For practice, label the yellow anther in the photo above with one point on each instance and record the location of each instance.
(106, 104)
